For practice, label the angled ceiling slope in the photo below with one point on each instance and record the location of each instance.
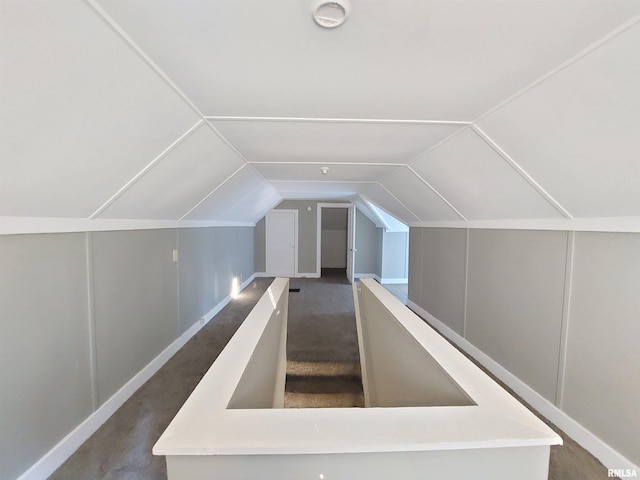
(450, 112)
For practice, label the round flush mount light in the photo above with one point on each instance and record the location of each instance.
(330, 14)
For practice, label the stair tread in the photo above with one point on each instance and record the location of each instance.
(323, 400)
(325, 369)
(323, 384)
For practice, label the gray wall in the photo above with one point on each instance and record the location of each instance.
(210, 258)
(307, 235)
(531, 304)
(307, 232)
(260, 248)
(379, 250)
(334, 238)
(45, 359)
(367, 245)
(135, 302)
(82, 313)
(437, 276)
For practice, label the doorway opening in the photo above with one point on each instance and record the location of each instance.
(335, 252)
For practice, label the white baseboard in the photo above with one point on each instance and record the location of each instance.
(611, 458)
(55, 457)
(307, 275)
(297, 275)
(365, 275)
(392, 281)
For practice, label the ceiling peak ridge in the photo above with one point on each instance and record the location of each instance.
(521, 171)
(384, 164)
(323, 181)
(396, 121)
(567, 63)
(146, 169)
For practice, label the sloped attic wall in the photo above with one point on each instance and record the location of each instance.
(140, 115)
(89, 130)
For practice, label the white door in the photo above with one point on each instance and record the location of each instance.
(351, 243)
(282, 242)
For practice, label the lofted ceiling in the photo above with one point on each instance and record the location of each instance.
(214, 111)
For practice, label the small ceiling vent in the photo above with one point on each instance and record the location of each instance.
(330, 14)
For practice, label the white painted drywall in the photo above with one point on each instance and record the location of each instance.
(394, 252)
(400, 372)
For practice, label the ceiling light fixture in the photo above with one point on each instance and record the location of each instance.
(324, 170)
(330, 14)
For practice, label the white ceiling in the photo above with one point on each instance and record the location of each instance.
(435, 110)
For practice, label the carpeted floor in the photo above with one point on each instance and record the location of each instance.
(322, 370)
(323, 364)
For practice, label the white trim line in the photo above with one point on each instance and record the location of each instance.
(399, 201)
(379, 164)
(566, 316)
(365, 275)
(601, 450)
(93, 346)
(337, 120)
(212, 192)
(145, 170)
(34, 225)
(507, 158)
(437, 192)
(441, 142)
(300, 275)
(594, 46)
(391, 281)
(601, 224)
(307, 275)
(323, 181)
(112, 23)
(374, 212)
(319, 207)
(55, 457)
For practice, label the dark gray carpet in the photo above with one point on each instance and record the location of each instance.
(323, 368)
